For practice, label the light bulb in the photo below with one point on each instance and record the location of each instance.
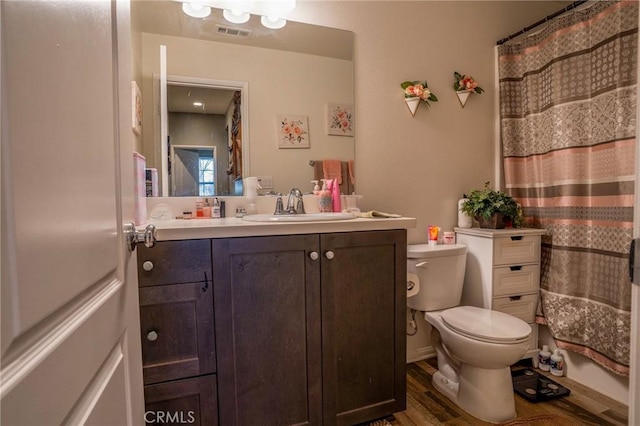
(273, 22)
(235, 16)
(196, 9)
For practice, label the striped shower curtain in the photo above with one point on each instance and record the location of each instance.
(568, 128)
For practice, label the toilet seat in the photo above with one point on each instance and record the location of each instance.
(486, 325)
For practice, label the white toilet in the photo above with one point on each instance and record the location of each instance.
(475, 346)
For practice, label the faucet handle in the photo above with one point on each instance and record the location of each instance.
(300, 206)
(279, 206)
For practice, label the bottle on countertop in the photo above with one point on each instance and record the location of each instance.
(335, 196)
(545, 358)
(326, 200)
(464, 220)
(316, 187)
(206, 210)
(199, 208)
(556, 365)
(215, 210)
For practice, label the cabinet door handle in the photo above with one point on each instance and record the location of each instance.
(314, 255)
(329, 255)
(514, 298)
(152, 336)
(516, 238)
(147, 265)
(515, 268)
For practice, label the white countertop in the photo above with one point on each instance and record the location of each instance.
(189, 229)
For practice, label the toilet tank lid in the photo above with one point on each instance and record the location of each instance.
(422, 251)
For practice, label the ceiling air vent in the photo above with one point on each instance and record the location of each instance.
(236, 32)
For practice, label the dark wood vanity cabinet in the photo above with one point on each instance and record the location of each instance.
(310, 328)
(178, 334)
(363, 325)
(294, 329)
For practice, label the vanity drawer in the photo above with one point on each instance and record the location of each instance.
(516, 279)
(523, 307)
(173, 262)
(189, 401)
(178, 337)
(516, 250)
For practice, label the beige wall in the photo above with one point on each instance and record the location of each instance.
(421, 166)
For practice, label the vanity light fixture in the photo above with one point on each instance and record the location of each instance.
(271, 12)
(196, 9)
(236, 16)
(273, 22)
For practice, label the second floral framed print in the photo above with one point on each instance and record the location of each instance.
(340, 120)
(292, 131)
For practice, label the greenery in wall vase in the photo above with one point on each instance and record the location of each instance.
(492, 209)
(416, 91)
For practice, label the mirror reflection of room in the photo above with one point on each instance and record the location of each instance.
(299, 70)
(205, 156)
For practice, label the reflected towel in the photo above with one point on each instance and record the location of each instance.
(374, 213)
(332, 169)
(352, 171)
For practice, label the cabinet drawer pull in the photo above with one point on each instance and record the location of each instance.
(314, 255)
(516, 268)
(152, 336)
(516, 238)
(147, 265)
(329, 255)
(514, 298)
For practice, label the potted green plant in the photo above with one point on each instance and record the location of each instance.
(492, 209)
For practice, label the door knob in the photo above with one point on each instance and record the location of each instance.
(148, 236)
(329, 255)
(314, 255)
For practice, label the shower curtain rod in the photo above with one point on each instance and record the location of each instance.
(542, 21)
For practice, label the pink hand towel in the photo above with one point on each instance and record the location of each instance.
(332, 170)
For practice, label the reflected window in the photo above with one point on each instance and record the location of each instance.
(206, 173)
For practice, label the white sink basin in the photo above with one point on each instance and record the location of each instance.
(309, 217)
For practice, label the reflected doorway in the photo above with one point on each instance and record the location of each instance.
(193, 171)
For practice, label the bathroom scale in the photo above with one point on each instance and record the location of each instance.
(536, 387)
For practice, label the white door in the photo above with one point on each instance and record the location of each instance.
(70, 343)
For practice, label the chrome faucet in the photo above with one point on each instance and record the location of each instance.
(295, 196)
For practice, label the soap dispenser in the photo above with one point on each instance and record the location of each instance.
(316, 187)
(325, 201)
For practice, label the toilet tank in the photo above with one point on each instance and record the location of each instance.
(440, 271)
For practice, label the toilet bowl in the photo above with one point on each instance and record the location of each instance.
(474, 359)
(475, 346)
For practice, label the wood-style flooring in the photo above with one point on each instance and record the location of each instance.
(426, 406)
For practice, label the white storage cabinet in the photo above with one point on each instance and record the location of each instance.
(503, 273)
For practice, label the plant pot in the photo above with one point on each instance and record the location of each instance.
(412, 103)
(495, 222)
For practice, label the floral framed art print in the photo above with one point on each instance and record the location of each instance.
(340, 120)
(292, 131)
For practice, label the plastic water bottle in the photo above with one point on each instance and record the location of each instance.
(545, 358)
(464, 220)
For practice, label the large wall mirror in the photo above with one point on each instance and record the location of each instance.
(297, 71)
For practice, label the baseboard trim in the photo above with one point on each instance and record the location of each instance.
(421, 353)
